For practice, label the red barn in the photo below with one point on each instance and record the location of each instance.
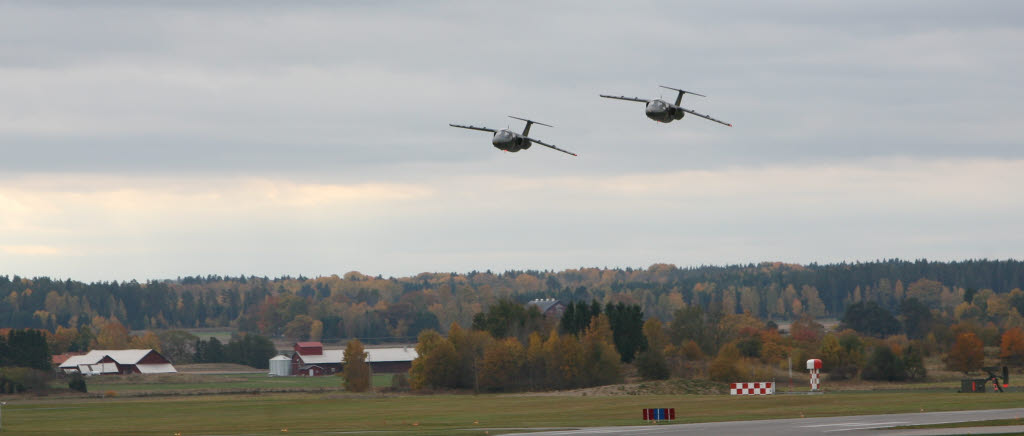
(311, 359)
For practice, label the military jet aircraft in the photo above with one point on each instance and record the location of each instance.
(665, 112)
(508, 140)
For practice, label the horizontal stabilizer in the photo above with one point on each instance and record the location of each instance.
(530, 121)
(682, 91)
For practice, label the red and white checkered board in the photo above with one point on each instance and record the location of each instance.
(764, 388)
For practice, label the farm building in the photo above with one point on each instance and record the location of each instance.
(549, 307)
(312, 359)
(118, 362)
(390, 360)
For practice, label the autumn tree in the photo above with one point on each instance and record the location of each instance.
(356, 371)
(967, 354)
(563, 361)
(469, 348)
(437, 363)
(62, 339)
(112, 336)
(692, 323)
(316, 330)
(830, 352)
(147, 340)
(652, 363)
(806, 329)
(724, 367)
(601, 362)
(1011, 348)
(503, 365)
(299, 328)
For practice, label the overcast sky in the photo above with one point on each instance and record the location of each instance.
(152, 140)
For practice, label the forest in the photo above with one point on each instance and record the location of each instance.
(377, 309)
(474, 331)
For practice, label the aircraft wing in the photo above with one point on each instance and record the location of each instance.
(625, 98)
(550, 146)
(706, 117)
(482, 129)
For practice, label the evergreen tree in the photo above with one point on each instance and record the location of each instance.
(870, 318)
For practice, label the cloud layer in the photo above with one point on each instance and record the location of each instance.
(162, 139)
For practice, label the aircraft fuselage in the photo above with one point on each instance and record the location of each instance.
(508, 140)
(663, 111)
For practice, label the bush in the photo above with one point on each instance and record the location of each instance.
(842, 372)
(77, 383)
(400, 382)
(884, 365)
(724, 367)
(652, 365)
(913, 361)
(19, 379)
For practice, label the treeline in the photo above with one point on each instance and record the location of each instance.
(512, 347)
(178, 346)
(377, 309)
(473, 359)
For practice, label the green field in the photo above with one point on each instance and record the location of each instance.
(213, 382)
(306, 413)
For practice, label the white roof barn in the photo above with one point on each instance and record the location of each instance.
(145, 361)
(405, 354)
(381, 360)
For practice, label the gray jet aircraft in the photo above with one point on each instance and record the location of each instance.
(665, 112)
(508, 140)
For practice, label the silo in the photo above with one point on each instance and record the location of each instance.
(280, 365)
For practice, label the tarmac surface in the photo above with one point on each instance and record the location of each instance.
(839, 425)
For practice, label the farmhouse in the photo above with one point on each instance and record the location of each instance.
(97, 362)
(550, 307)
(312, 359)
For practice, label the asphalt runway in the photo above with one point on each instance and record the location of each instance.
(842, 425)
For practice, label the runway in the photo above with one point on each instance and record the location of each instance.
(839, 425)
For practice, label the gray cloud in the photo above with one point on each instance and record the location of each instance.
(171, 87)
(188, 102)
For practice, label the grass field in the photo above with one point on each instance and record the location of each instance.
(306, 413)
(207, 382)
